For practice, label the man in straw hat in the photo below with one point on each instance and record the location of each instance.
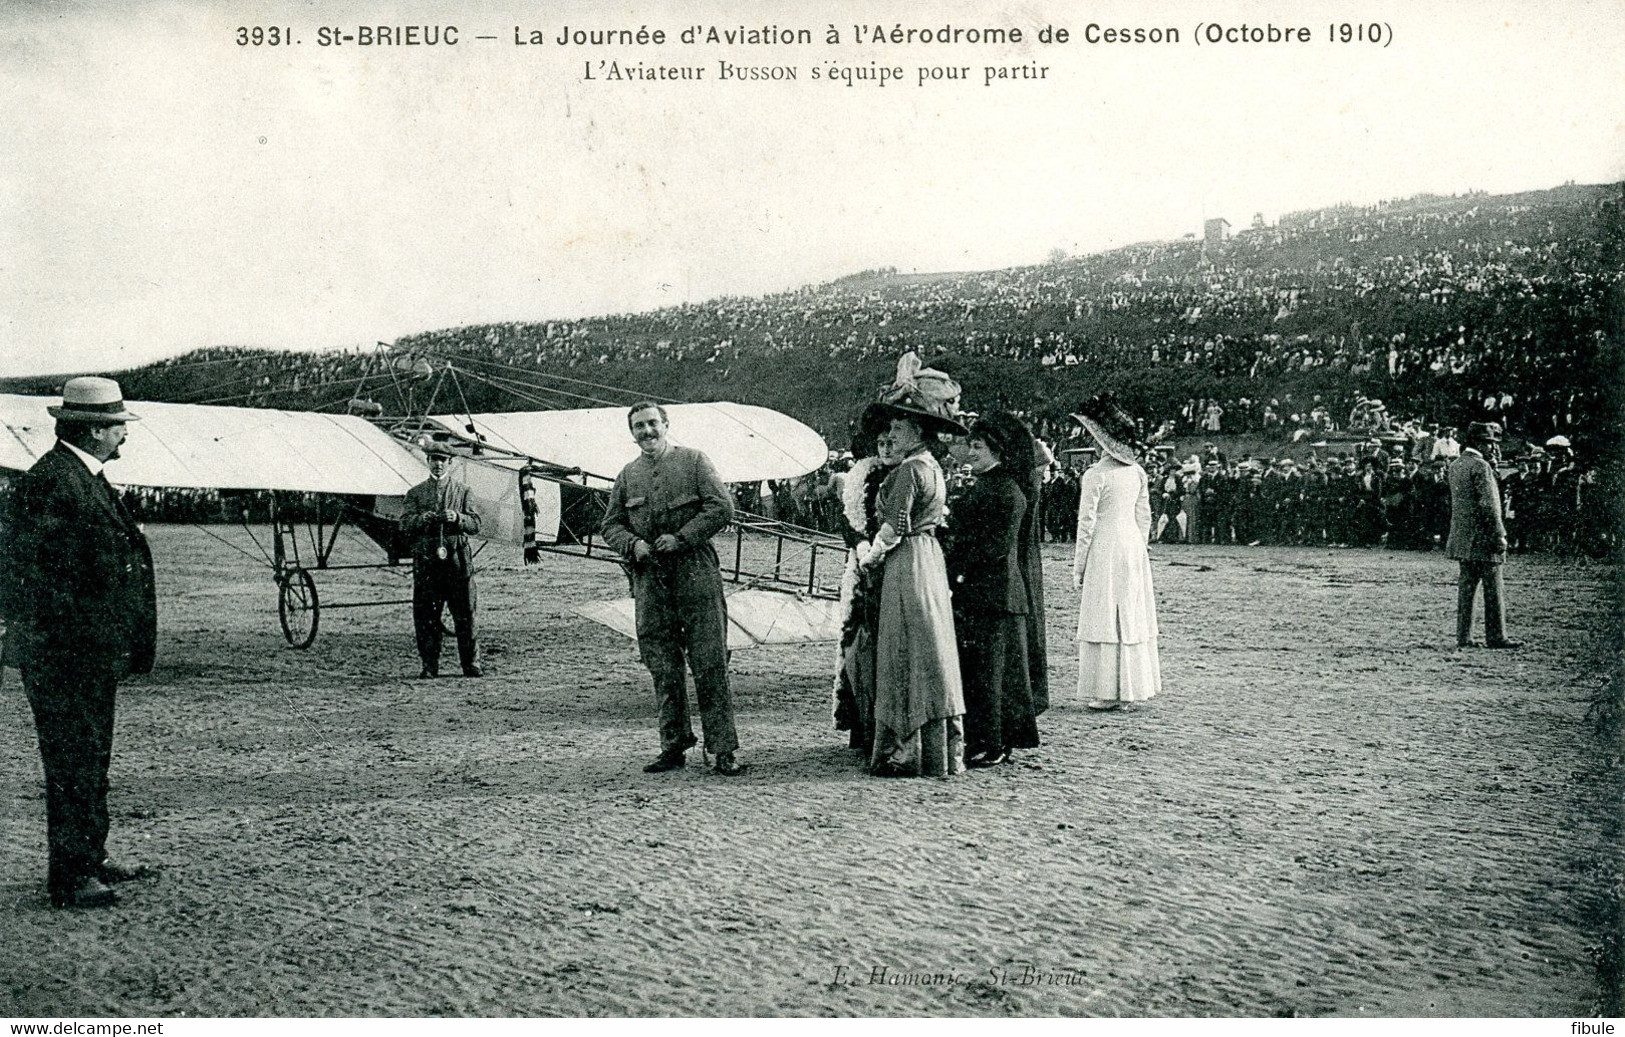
(439, 517)
(76, 590)
(1478, 540)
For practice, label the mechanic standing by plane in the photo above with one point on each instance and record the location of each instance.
(438, 518)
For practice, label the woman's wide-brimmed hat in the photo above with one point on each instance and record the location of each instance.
(93, 401)
(1008, 436)
(922, 394)
(1103, 418)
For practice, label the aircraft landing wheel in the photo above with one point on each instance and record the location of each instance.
(298, 607)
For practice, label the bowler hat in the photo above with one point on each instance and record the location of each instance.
(92, 400)
(1483, 432)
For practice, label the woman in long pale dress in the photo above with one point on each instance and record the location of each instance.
(919, 700)
(1117, 613)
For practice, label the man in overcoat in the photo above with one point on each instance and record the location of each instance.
(77, 594)
(439, 519)
(1478, 538)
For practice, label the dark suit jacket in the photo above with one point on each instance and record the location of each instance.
(1476, 530)
(984, 545)
(76, 580)
(424, 520)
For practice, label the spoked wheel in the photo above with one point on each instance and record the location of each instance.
(297, 606)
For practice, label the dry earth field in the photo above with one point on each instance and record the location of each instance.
(1330, 811)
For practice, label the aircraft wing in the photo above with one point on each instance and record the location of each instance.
(229, 448)
(755, 617)
(745, 443)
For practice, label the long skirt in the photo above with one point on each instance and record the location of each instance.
(1110, 671)
(993, 660)
(855, 710)
(919, 699)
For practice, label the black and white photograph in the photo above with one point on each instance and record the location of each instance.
(865, 509)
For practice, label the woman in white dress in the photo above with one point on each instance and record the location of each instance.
(1117, 614)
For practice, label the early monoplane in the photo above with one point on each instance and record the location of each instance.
(538, 478)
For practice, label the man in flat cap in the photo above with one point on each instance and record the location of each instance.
(439, 518)
(1478, 539)
(77, 594)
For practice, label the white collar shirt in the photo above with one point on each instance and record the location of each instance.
(94, 465)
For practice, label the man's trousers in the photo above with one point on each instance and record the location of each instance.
(1472, 574)
(683, 618)
(439, 585)
(73, 717)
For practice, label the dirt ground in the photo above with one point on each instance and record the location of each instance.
(1330, 811)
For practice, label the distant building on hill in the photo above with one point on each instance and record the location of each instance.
(1215, 231)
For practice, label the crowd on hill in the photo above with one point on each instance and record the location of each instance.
(1340, 320)
(1430, 304)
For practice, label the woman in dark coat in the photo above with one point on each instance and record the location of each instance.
(1021, 439)
(990, 594)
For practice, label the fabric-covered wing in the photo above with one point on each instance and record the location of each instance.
(493, 488)
(755, 617)
(745, 443)
(229, 448)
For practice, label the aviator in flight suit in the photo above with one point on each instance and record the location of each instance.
(680, 608)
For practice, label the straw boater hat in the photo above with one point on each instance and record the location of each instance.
(921, 394)
(96, 401)
(1111, 427)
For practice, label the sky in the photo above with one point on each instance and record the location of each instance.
(163, 188)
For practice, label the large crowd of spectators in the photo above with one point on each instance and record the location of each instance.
(1428, 303)
(1390, 492)
(1398, 316)
(1369, 498)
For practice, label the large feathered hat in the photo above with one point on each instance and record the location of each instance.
(922, 394)
(1111, 427)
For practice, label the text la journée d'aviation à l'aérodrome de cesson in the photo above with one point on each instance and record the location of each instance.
(774, 35)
